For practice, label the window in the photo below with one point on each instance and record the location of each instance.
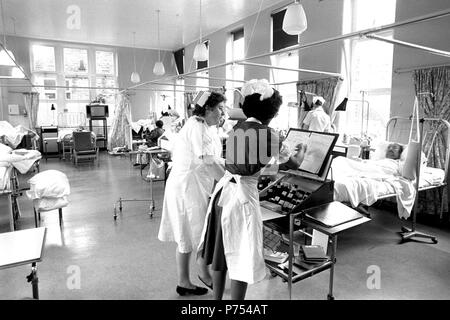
(281, 39)
(43, 58)
(75, 61)
(68, 83)
(46, 86)
(104, 62)
(75, 93)
(288, 114)
(179, 60)
(235, 51)
(371, 71)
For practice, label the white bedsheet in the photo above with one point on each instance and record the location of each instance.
(367, 180)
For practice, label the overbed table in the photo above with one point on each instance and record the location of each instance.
(23, 247)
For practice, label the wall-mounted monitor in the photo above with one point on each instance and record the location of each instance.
(97, 111)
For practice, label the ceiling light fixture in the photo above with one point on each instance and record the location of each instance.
(135, 78)
(200, 51)
(158, 69)
(294, 21)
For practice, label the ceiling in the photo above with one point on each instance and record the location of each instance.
(112, 22)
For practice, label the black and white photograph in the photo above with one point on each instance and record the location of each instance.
(224, 155)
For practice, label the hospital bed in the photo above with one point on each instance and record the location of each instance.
(365, 182)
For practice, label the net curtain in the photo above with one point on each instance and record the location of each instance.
(121, 125)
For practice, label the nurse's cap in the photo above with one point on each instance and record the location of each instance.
(318, 98)
(201, 98)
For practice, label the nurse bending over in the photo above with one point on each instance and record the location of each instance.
(189, 186)
(232, 238)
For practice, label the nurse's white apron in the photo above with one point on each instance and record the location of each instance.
(188, 189)
(242, 227)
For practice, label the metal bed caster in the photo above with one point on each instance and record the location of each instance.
(330, 297)
(152, 209)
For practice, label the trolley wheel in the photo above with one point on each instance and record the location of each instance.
(330, 297)
(434, 240)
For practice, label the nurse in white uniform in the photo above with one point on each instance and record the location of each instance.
(232, 239)
(317, 119)
(189, 186)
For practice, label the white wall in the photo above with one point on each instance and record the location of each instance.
(435, 34)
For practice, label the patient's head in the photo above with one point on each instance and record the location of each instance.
(394, 151)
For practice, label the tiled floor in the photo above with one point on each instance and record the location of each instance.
(123, 259)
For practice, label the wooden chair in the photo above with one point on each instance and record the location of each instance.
(84, 146)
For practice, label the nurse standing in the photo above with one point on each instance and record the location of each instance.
(189, 186)
(232, 238)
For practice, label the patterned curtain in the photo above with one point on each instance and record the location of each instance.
(322, 87)
(32, 106)
(121, 127)
(432, 87)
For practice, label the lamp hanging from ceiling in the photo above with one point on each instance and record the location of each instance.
(135, 78)
(158, 69)
(294, 22)
(200, 51)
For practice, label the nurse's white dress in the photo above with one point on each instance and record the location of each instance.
(189, 185)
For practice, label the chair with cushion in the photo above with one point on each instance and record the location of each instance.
(84, 146)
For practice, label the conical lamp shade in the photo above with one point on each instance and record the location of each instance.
(5, 60)
(200, 52)
(135, 78)
(158, 69)
(294, 22)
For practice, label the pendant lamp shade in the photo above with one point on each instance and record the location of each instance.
(135, 78)
(158, 69)
(5, 59)
(201, 52)
(294, 22)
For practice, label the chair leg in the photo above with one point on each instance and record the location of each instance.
(60, 216)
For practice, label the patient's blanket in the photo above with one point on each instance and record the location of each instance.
(13, 135)
(21, 159)
(358, 181)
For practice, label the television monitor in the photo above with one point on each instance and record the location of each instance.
(97, 111)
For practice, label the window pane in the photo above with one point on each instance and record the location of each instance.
(104, 62)
(74, 93)
(75, 61)
(43, 58)
(369, 14)
(106, 82)
(48, 92)
(47, 116)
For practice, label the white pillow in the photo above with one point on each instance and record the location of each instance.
(5, 149)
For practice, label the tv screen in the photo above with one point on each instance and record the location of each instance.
(97, 111)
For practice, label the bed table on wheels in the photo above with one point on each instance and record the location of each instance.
(149, 153)
(22, 248)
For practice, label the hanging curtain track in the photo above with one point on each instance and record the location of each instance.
(410, 45)
(290, 69)
(406, 70)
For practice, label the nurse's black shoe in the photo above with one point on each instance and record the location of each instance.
(197, 291)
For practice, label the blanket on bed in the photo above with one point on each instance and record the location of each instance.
(358, 181)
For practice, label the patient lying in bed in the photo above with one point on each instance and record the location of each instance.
(362, 181)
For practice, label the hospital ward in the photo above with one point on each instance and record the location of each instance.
(209, 150)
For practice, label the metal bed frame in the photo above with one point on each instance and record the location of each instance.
(439, 125)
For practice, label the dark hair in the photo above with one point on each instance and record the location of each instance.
(318, 103)
(159, 123)
(264, 110)
(213, 100)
